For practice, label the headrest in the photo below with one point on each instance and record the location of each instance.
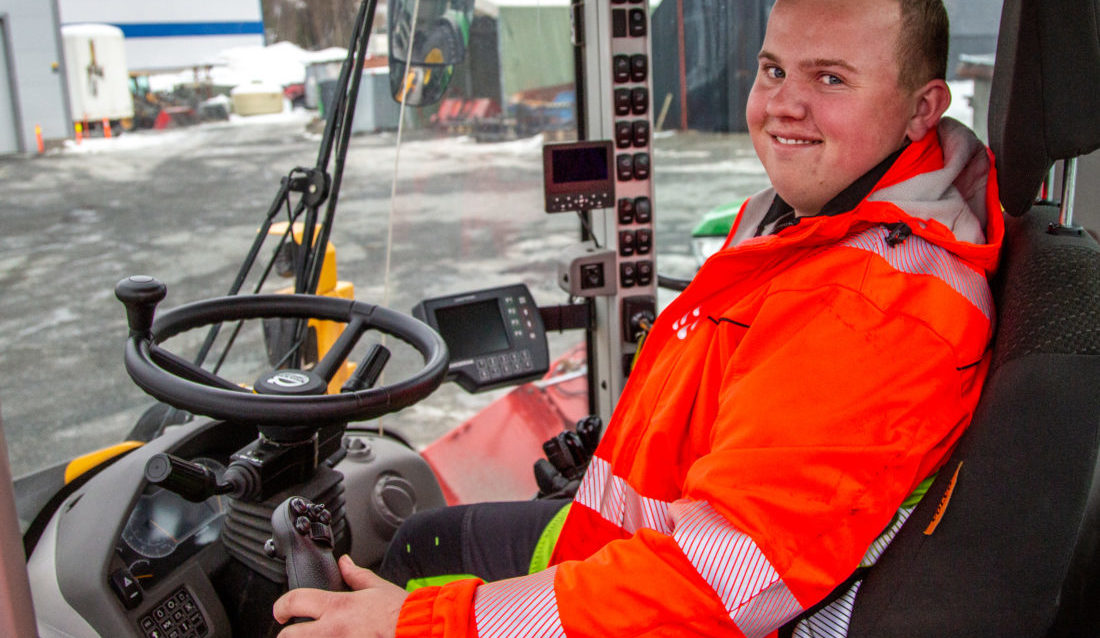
(1045, 98)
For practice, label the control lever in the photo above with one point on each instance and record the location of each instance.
(196, 482)
(567, 458)
(140, 294)
(302, 536)
(589, 430)
(369, 369)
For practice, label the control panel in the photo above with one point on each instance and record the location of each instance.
(495, 336)
(176, 615)
(618, 73)
(632, 130)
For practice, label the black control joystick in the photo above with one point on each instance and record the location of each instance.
(140, 294)
(302, 536)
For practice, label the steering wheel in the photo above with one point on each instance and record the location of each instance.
(178, 382)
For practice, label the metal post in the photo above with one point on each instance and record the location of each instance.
(1069, 192)
(1065, 224)
(1046, 193)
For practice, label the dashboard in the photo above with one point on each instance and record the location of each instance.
(164, 530)
(124, 558)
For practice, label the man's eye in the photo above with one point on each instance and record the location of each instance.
(831, 80)
(774, 72)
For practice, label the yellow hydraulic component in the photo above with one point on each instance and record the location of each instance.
(328, 285)
(82, 464)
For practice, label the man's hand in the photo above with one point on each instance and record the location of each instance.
(369, 611)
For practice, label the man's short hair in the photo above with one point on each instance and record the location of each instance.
(922, 43)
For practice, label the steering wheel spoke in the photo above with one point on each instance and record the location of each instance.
(340, 351)
(177, 365)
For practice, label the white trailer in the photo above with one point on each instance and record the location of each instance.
(99, 80)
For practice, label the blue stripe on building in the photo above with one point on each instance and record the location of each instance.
(168, 29)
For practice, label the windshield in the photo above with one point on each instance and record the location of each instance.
(457, 206)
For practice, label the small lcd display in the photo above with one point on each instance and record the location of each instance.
(472, 329)
(585, 164)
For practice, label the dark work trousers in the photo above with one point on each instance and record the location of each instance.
(492, 541)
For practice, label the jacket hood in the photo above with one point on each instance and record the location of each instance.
(943, 187)
(955, 195)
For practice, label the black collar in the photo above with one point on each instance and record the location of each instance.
(780, 214)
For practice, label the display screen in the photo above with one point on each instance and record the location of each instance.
(165, 530)
(472, 329)
(585, 164)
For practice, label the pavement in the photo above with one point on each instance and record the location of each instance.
(183, 205)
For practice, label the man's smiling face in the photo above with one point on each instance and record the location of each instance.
(827, 106)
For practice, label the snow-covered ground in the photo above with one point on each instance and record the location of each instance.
(279, 64)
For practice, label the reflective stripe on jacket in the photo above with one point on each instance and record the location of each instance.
(782, 408)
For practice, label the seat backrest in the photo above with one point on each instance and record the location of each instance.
(1016, 548)
(1044, 99)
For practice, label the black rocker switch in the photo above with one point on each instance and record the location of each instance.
(639, 101)
(620, 68)
(624, 134)
(624, 167)
(623, 101)
(636, 23)
(626, 210)
(639, 67)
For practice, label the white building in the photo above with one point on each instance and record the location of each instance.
(32, 76)
(169, 35)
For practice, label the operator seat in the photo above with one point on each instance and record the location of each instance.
(1017, 549)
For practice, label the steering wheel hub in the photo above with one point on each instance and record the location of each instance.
(290, 383)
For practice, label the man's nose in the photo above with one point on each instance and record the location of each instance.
(788, 100)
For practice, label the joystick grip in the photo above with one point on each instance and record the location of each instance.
(302, 536)
(140, 294)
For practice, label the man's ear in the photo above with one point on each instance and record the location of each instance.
(930, 103)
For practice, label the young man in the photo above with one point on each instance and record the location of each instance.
(789, 404)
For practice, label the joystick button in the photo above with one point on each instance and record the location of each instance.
(302, 525)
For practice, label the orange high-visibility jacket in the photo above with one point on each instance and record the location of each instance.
(781, 410)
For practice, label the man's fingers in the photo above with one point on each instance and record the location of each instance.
(300, 603)
(299, 630)
(357, 577)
